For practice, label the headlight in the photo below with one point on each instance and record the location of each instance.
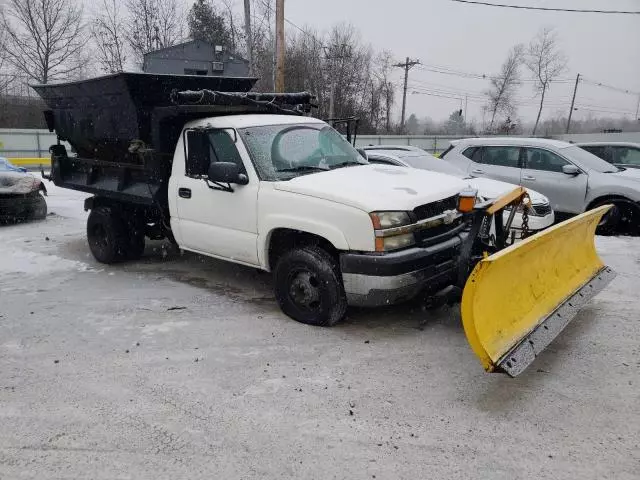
(386, 244)
(382, 220)
(389, 231)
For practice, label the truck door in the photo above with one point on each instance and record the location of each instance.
(214, 220)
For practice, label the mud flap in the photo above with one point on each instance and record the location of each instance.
(516, 301)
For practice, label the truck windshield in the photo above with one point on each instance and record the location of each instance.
(283, 152)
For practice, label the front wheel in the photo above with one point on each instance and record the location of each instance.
(308, 287)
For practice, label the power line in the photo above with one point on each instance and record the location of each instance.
(476, 76)
(610, 87)
(546, 9)
(306, 32)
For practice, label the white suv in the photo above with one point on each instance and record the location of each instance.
(573, 179)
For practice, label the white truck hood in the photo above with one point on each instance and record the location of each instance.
(376, 187)
(490, 189)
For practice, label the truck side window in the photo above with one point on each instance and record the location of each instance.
(223, 149)
(207, 147)
(197, 161)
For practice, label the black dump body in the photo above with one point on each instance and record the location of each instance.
(123, 128)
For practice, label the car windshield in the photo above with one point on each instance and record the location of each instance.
(433, 164)
(282, 152)
(588, 160)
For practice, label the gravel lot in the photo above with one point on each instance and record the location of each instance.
(179, 366)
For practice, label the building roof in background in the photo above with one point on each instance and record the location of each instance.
(202, 43)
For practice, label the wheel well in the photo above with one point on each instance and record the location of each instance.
(284, 239)
(612, 198)
(142, 217)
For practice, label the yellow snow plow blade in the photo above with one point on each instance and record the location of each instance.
(516, 301)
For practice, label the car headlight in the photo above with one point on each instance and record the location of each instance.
(396, 242)
(382, 220)
(389, 232)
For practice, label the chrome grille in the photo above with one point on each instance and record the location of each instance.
(435, 208)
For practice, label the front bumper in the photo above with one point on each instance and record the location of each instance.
(383, 279)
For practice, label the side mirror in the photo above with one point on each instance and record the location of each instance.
(570, 170)
(227, 172)
(363, 153)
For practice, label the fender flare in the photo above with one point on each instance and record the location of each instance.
(274, 222)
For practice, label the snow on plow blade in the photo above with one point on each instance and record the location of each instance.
(518, 300)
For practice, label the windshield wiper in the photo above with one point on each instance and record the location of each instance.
(345, 164)
(303, 168)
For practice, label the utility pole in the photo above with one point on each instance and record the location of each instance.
(638, 109)
(247, 34)
(280, 47)
(407, 65)
(573, 101)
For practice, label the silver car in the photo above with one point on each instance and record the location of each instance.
(573, 179)
(621, 154)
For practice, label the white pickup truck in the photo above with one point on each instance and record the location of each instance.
(283, 193)
(305, 204)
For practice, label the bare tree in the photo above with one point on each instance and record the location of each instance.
(546, 62)
(5, 77)
(45, 38)
(153, 24)
(234, 28)
(383, 67)
(500, 95)
(107, 31)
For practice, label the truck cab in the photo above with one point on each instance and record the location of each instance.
(290, 195)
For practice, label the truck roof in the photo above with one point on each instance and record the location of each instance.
(251, 120)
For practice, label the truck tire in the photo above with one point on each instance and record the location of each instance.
(107, 236)
(308, 287)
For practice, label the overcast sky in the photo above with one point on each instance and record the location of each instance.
(476, 39)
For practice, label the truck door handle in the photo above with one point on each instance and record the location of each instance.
(477, 171)
(184, 192)
(528, 177)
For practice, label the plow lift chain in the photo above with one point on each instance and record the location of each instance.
(516, 201)
(525, 217)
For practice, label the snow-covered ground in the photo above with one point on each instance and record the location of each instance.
(179, 366)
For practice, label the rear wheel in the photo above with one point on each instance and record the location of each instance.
(308, 287)
(106, 235)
